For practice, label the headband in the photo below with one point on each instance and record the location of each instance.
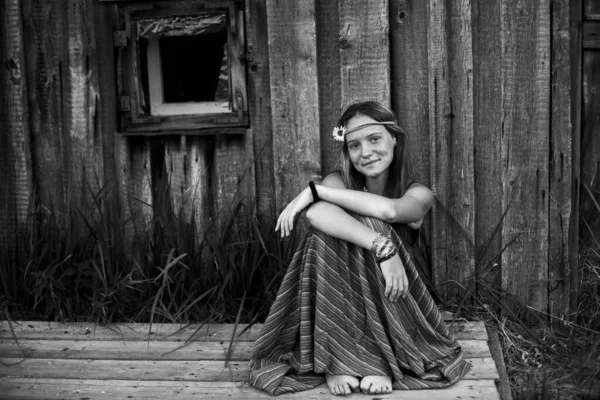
(339, 132)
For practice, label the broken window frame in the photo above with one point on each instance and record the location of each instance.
(136, 117)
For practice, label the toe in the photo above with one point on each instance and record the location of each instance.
(346, 389)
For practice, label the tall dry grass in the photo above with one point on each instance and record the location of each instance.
(76, 267)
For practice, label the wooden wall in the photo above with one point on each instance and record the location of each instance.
(486, 90)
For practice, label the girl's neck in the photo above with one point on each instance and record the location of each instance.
(376, 185)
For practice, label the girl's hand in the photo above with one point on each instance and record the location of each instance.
(396, 282)
(285, 222)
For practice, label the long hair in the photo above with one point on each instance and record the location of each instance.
(396, 181)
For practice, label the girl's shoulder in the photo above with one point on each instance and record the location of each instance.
(335, 180)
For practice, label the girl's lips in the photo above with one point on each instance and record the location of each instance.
(369, 163)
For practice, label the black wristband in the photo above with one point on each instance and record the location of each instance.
(313, 190)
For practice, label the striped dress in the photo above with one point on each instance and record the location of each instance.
(331, 316)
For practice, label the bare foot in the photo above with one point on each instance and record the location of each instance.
(342, 384)
(376, 384)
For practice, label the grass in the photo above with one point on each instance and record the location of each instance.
(52, 269)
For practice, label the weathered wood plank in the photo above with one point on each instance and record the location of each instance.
(591, 35)
(158, 350)
(233, 175)
(451, 135)
(83, 145)
(134, 176)
(330, 86)
(187, 167)
(36, 330)
(106, 118)
(15, 164)
(45, 73)
(525, 149)
(410, 82)
(576, 107)
(27, 388)
(591, 9)
(364, 54)
(181, 370)
(498, 356)
(409, 20)
(259, 109)
(487, 131)
(590, 149)
(294, 96)
(560, 169)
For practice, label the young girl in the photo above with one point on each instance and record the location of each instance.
(352, 310)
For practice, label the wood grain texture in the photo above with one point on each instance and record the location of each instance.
(294, 96)
(83, 145)
(330, 86)
(159, 350)
(560, 169)
(487, 131)
(16, 168)
(590, 150)
(34, 388)
(591, 8)
(189, 370)
(124, 361)
(576, 90)
(47, 63)
(452, 148)
(38, 330)
(364, 52)
(409, 22)
(134, 177)
(259, 109)
(525, 149)
(591, 35)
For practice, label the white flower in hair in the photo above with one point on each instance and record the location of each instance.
(338, 133)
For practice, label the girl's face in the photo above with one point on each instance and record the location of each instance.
(371, 149)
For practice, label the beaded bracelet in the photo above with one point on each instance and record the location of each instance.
(383, 248)
(387, 256)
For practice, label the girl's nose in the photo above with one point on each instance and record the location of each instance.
(366, 151)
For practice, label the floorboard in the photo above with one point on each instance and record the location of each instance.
(43, 360)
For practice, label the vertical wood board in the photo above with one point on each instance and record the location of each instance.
(451, 135)
(17, 174)
(259, 109)
(409, 78)
(487, 122)
(575, 11)
(46, 65)
(590, 149)
(294, 96)
(83, 145)
(525, 149)
(560, 172)
(364, 54)
(409, 81)
(330, 86)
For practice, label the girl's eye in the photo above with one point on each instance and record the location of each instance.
(353, 146)
(375, 139)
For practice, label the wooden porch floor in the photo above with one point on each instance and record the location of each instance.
(171, 361)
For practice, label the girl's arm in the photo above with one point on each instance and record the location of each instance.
(409, 209)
